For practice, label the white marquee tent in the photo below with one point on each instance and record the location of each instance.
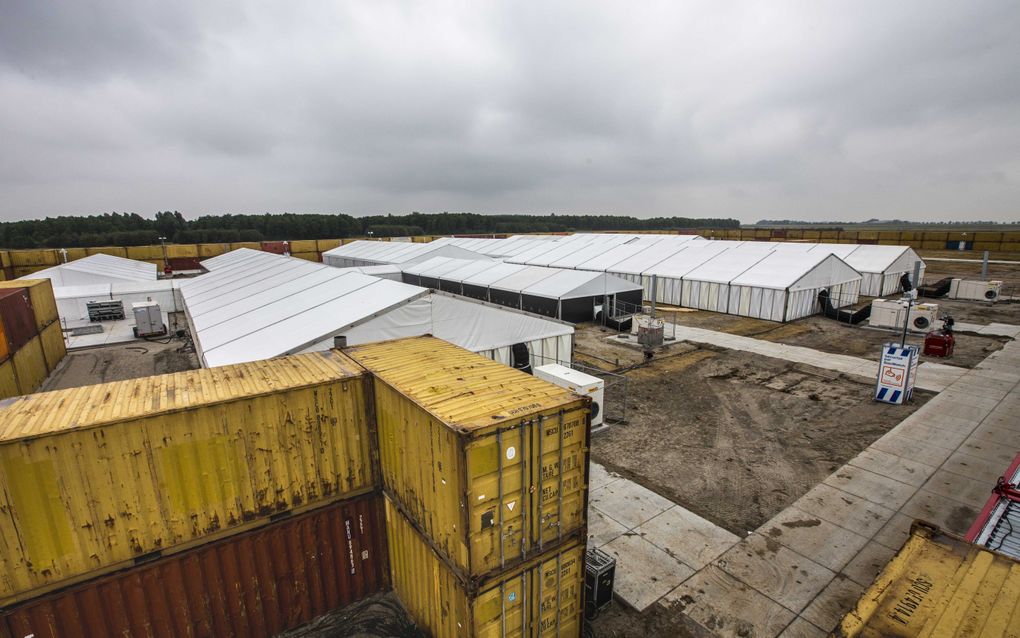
(377, 253)
(254, 305)
(97, 269)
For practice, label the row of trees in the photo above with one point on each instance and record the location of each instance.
(131, 229)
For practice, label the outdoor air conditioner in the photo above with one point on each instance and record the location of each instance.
(888, 313)
(579, 382)
(975, 290)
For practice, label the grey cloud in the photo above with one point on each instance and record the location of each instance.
(752, 110)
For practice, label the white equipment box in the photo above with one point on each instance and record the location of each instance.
(888, 313)
(975, 290)
(579, 382)
(148, 319)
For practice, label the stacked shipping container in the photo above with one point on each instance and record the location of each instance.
(243, 500)
(485, 474)
(31, 339)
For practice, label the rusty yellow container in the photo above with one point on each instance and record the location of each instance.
(322, 245)
(212, 250)
(145, 253)
(8, 382)
(34, 258)
(254, 245)
(306, 256)
(53, 345)
(491, 463)
(303, 246)
(542, 597)
(96, 477)
(29, 366)
(181, 251)
(40, 293)
(939, 585)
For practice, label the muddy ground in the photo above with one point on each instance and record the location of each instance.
(120, 362)
(817, 332)
(737, 437)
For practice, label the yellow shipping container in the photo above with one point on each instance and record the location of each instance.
(5, 259)
(53, 345)
(988, 236)
(212, 250)
(891, 235)
(814, 235)
(98, 476)
(1010, 247)
(145, 253)
(308, 256)
(116, 251)
(993, 246)
(303, 246)
(489, 461)
(8, 382)
(179, 251)
(29, 366)
(322, 245)
(828, 235)
(935, 235)
(254, 245)
(1009, 235)
(939, 585)
(34, 258)
(540, 598)
(858, 235)
(933, 245)
(40, 292)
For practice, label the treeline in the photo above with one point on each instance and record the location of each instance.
(131, 229)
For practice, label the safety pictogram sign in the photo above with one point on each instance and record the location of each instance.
(896, 373)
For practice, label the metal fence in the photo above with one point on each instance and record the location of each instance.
(617, 392)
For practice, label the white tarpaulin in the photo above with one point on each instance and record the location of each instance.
(262, 307)
(97, 269)
(375, 253)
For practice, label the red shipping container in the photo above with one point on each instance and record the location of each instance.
(17, 317)
(276, 247)
(258, 583)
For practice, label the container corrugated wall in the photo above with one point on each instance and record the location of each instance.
(17, 318)
(939, 584)
(490, 462)
(29, 367)
(53, 345)
(255, 584)
(542, 597)
(44, 305)
(93, 477)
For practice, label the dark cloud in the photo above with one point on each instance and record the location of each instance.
(812, 110)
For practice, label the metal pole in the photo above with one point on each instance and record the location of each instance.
(655, 292)
(910, 302)
(984, 267)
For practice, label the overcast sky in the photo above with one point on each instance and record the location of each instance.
(812, 110)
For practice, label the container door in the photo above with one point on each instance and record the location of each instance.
(561, 443)
(498, 476)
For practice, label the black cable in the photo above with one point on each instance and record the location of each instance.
(380, 616)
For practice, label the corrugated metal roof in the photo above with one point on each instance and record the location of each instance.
(97, 269)
(90, 406)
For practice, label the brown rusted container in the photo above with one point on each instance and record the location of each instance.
(17, 317)
(258, 583)
(276, 247)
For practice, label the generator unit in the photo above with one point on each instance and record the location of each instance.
(889, 313)
(148, 319)
(975, 290)
(599, 574)
(579, 382)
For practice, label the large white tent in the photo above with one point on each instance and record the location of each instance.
(572, 295)
(97, 269)
(256, 305)
(378, 253)
(881, 266)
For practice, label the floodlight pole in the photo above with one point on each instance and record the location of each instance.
(910, 302)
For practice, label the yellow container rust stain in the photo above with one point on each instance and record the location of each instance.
(490, 462)
(40, 292)
(542, 597)
(134, 467)
(939, 585)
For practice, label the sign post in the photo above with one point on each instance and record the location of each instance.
(896, 372)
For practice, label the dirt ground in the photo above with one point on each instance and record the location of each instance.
(119, 362)
(736, 437)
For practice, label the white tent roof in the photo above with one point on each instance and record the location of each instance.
(645, 258)
(230, 258)
(523, 278)
(97, 269)
(268, 306)
(397, 252)
(877, 258)
(680, 263)
(726, 265)
(494, 273)
(795, 270)
(467, 268)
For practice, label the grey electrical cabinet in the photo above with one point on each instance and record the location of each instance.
(148, 319)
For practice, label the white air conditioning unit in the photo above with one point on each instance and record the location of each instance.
(578, 382)
(975, 290)
(888, 313)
